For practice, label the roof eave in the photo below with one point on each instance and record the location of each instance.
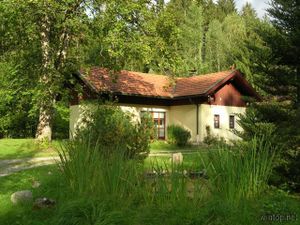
(235, 74)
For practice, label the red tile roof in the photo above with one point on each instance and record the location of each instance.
(151, 85)
(199, 85)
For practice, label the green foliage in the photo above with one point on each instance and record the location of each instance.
(16, 118)
(127, 195)
(61, 121)
(191, 41)
(178, 135)
(83, 162)
(112, 130)
(254, 126)
(242, 171)
(285, 45)
(279, 123)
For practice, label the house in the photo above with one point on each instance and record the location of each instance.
(197, 102)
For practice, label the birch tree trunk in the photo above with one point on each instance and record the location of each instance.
(44, 128)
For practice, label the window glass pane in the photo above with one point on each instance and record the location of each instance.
(155, 115)
(161, 115)
(161, 133)
(231, 122)
(217, 121)
(161, 122)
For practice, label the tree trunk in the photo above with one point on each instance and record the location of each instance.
(44, 128)
(298, 86)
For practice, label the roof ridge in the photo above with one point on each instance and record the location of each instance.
(220, 81)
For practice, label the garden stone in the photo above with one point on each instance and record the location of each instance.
(177, 158)
(36, 184)
(21, 197)
(42, 203)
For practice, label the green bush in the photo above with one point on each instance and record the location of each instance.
(178, 135)
(60, 129)
(114, 130)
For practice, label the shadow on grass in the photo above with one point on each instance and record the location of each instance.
(26, 148)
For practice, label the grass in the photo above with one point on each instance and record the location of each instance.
(21, 148)
(242, 171)
(89, 211)
(160, 145)
(51, 187)
(194, 161)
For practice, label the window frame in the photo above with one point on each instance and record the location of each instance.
(217, 121)
(231, 122)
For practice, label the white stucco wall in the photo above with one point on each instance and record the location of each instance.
(207, 113)
(184, 115)
(77, 117)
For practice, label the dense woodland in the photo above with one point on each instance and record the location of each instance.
(43, 42)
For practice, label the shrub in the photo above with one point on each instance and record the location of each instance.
(178, 135)
(114, 130)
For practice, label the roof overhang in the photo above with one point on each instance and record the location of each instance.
(234, 77)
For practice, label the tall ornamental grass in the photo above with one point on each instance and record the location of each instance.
(90, 173)
(242, 172)
(115, 190)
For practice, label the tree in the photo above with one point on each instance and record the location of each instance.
(191, 40)
(215, 53)
(285, 17)
(225, 8)
(248, 11)
(49, 29)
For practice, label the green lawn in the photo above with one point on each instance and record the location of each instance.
(20, 148)
(191, 161)
(165, 146)
(50, 187)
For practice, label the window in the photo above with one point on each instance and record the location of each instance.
(217, 121)
(231, 122)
